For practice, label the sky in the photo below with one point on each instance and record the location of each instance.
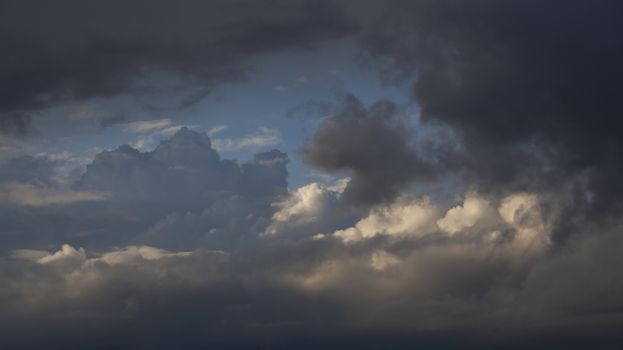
(311, 174)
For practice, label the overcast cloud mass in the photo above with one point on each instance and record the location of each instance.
(311, 174)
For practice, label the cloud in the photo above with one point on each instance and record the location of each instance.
(149, 142)
(308, 209)
(182, 196)
(130, 255)
(29, 254)
(187, 160)
(412, 283)
(406, 217)
(197, 44)
(147, 125)
(474, 209)
(29, 195)
(264, 137)
(371, 145)
(142, 285)
(36, 170)
(135, 254)
(519, 219)
(223, 225)
(532, 112)
(382, 260)
(67, 252)
(516, 109)
(216, 129)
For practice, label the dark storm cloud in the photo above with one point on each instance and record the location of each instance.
(373, 145)
(72, 50)
(532, 87)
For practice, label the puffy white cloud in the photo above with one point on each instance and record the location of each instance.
(29, 195)
(474, 209)
(405, 217)
(311, 205)
(516, 231)
(67, 252)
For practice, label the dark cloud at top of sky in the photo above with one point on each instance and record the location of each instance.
(71, 50)
(532, 88)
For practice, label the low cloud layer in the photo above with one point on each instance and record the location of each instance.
(498, 268)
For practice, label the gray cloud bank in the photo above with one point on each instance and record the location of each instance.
(485, 280)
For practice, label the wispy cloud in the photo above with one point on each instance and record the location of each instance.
(263, 137)
(29, 195)
(217, 129)
(146, 125)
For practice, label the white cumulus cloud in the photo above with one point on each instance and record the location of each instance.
(405, 217)
(310, 204)
(474, 209)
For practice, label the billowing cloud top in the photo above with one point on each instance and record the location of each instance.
(184, 168)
